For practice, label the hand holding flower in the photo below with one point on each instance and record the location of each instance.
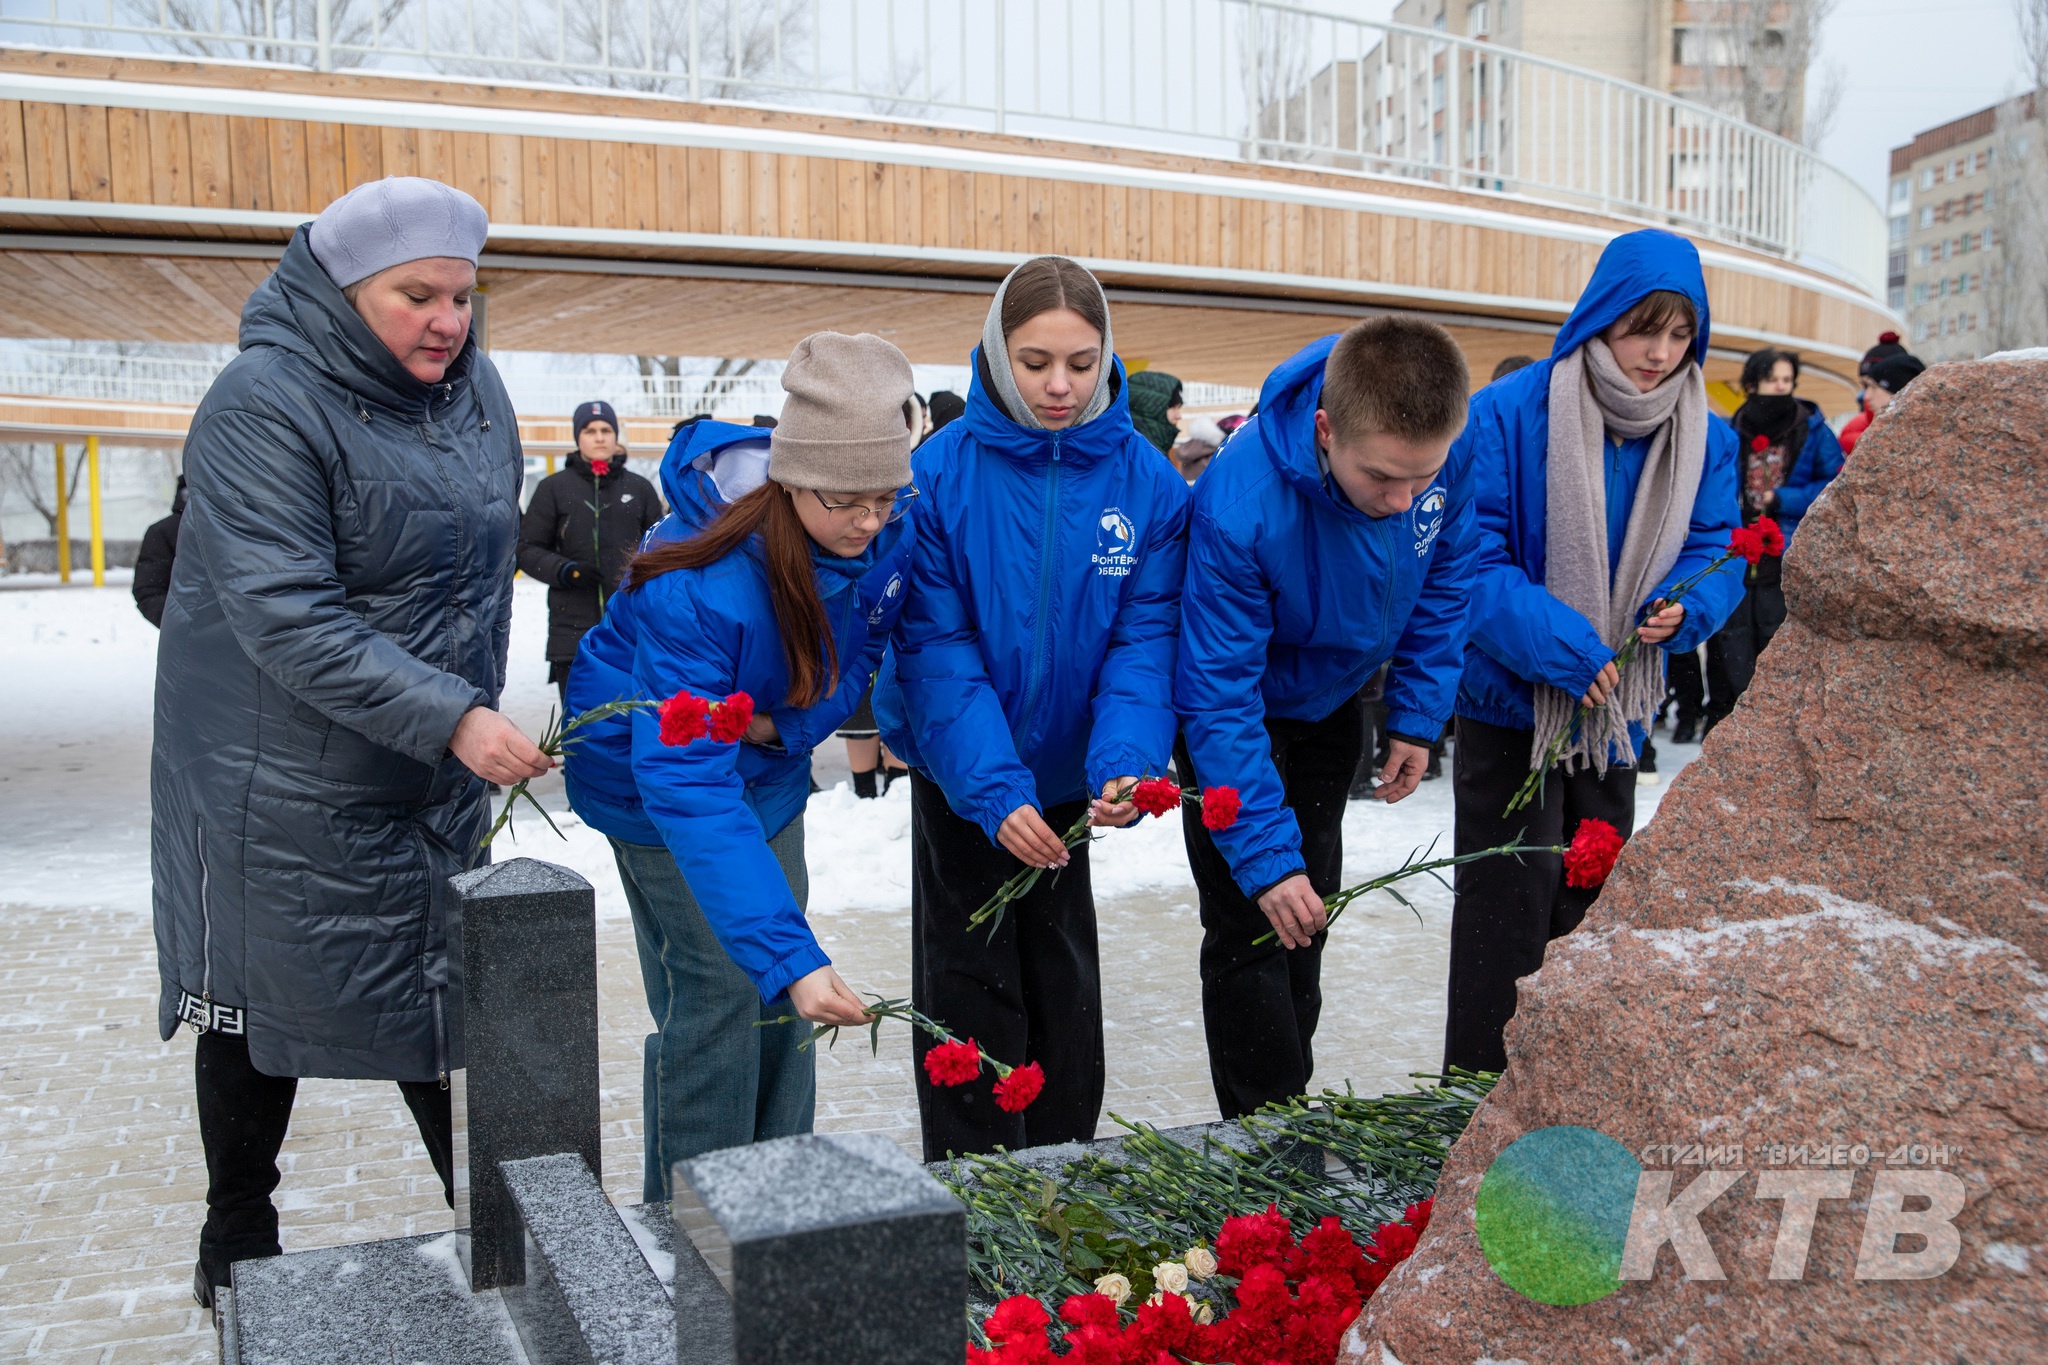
(1295, 911)
(1662, 623)
(1113, 809)
(823, 998)
(1030, 840)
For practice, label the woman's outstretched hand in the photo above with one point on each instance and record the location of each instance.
(495, 749)
(822, 998)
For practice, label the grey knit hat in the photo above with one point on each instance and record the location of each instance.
(842, 427)
(394, 220)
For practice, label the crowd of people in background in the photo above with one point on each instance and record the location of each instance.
(1021, 601)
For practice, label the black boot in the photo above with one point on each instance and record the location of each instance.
(1685, 731)
(891, 775)
(864, 785)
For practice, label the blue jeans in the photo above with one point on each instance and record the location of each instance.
(710, 1078)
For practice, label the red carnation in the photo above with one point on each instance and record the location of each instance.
(1418, 1214)
(1156, 796)
(1090, 1310)
(731, 717)
(1253, 1239)
(1772, 536)
(1759, 444)
(600, 467)
(1591, 856)
(1020, 1315)
(1746, 541)
(953, 1062)
(1015, 1091)
(1220, 806)
(1329, 1252)
(683, 718)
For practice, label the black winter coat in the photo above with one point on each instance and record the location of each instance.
(562, 527)
(342, 595)
(153, 560)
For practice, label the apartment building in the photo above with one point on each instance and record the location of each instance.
(1950, 272)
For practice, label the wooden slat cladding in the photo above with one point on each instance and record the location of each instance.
(90, 154)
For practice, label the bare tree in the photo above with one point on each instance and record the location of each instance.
(272, 30)
(1273, 57)
(671, 393)
(35, 483)
(748, 49)
(2016, 284)
(1753, 57)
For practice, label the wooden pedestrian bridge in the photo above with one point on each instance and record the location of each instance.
(693, 181)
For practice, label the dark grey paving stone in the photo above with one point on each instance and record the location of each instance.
(401, 1302)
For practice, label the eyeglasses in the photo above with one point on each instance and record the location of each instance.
(885, 512)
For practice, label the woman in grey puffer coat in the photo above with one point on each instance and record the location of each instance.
(333, 648)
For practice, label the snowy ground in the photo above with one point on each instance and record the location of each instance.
(99, 1166)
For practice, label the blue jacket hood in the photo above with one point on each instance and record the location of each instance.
(1285, 426)
(690, 492)
(1100, 436)
(1633, 265)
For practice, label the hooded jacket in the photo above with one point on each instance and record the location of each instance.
(1295, 598)
(712, 631)
(341, 596)
(1034, 662)
(575, 517)
(153, 560)
(1519, 632)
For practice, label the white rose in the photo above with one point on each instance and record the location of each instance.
(1204, 1314)
(1114, 1286)
(1171, 1276)
(1200, 1262)
(1156, 1299)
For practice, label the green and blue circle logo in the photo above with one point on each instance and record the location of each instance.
(1553, 1214)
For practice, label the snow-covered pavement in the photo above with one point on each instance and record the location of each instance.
(99, 1161)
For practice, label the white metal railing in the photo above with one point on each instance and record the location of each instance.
(1248, 79)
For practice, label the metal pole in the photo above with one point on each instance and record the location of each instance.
(696, 55)
(1454, 116)
(1000, 63)
(63, 522)
(323, 22)
(99, 539)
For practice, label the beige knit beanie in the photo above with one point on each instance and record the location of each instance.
(842, 428)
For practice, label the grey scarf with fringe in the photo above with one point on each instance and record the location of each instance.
(1590, 396)
(995, 353)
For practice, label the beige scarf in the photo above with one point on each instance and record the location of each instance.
(1589, 398)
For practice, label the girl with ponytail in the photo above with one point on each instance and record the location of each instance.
(781, 580)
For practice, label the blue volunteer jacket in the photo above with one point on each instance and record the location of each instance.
(1520, 633)
(1294, 598)
(1820, 459)
(712, 631)
(1034, 661)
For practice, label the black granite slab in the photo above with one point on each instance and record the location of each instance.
(590, 1295)
(832, 1248)
(526, 938)
(405, 1300)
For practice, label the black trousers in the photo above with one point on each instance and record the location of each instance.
(1506, 911)
(1260, 1001)
(243, 1114)
(1688, 685)
(1733, 649)
(1032, 993)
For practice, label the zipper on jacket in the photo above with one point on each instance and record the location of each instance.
(1038, 659)
(1387, 601)
(205, 931)
(440, 1037)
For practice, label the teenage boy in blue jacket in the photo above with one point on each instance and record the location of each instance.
(1333, 533)
(1603, 479)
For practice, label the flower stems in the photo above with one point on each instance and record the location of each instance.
(1418, 864)
(554, 742)
(885, 1008)
(1533, 785)
(992, 911)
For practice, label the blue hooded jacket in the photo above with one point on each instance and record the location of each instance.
(1520, 633)
(1295, 597)
(1034, 662)
(712, 631)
